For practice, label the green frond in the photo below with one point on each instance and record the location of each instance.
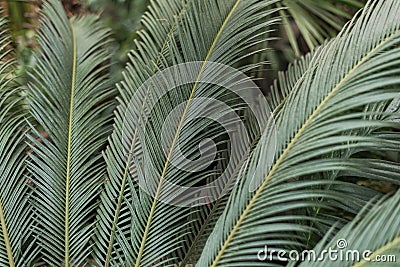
(69, 93)
(199, 167)
(320, 117)
(113, 212)
(191, 44)
(132, 229)
(375, 231)
(15, 212)
(382, 111)
(315, 20)
(204, 217)
(287, 80)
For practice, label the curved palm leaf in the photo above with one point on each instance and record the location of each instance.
(280, 91)
(113, 212)
(358, 68)
(15, 212)
(197, 45)
(208, 215)
(69, 94)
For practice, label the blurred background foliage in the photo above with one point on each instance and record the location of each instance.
(306, 24)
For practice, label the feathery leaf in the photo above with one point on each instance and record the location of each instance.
(69, 95)
(360, 67)
(15, 212)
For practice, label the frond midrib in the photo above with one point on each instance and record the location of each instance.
(69, 149)
(6, 236)
(290, 146)
(179, 128)
(132, 147)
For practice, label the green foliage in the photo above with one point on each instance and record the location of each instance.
(123, 18)
(306, 24)
(315, 20)
(375, 229)
(328, 123)
(69, 91)
(16, 216)
(70, 169)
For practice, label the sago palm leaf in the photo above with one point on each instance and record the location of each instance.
(113, 212)
(209, 214)
(15, 212)
(358, 68)
(235, 27)
(373, 236)
(280, 91)
(69, 95)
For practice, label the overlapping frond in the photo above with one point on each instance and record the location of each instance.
(280, 91)
(113, 213)
(15, 212)
(318, 119)
(185, 134)
(152, 154)
(372, 238)
(288, 79)
(236, 26)
(69, 93)
(315, 20)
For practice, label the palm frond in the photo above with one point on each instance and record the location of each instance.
(376, 230)
(235, 27)
(15, 212)
(204, 217)
(195, 46)
(69, 95)
(315, 20)
(287, 80)
(113, 212)
(280, 91)
(359, 68)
